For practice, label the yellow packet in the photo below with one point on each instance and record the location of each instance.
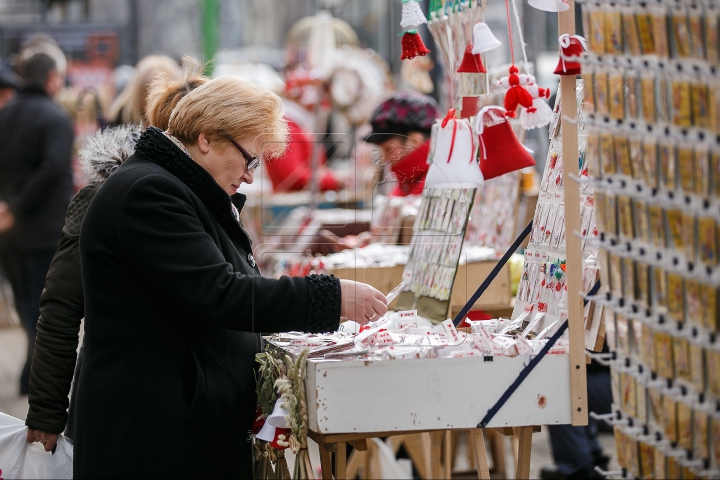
(626, 218)
(600, 213)
(715, 435)
(682, 358)
(696, 32)
(588, 73)
(607, 154)
(615, 382)
(602, 96)
(660, 35)
(682, 110)
(660, 293)
(645, 30)
(664, 108)
(615, 274)
(632, 456)
(680, 27)
(640, 402)
(676, 296)
(617, 94)
(713, 109)
(657, 226)
(701, 427)
(670, 418)
(592, 153)
(699, 95)
(664, 355)
(668, 164)
(697, 367)
(707, 240)
(694, 309)
(623, 334)
(702, 170)
(660, 464)
(715, 171)
(621, 447)
(628, 393)
(643, 282)
(650, 161)
(613, 32)
(712, 367)
(640, 214)
(689, 234)
(622, 155)
(630, 32)
(674, 468)
(686, 167)
(685, 425)
(647, 460)
(708, 298)
(674, 221)
(688, 473)
(610, 334)
(647, 346)
(647, 89)
(596, 39)
(655, 411)
(636, 163)
(628, 266)
(711, 33)
(611, 215)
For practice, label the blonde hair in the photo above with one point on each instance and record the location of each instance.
(166, 91)
(235, 107)
(130, 105)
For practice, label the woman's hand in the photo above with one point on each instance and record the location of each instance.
(361, 302)
(48, 440)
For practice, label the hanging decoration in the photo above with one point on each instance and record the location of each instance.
(571, 48)
(549, 5)
(412, 14)
(471, 63)
(483, 39)
(540, 114)
(516, 95)
(412, 44)
(454, 163)
(502, 152)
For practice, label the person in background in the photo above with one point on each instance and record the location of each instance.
(401, 128)
(62, 304)
(36, 184)
(130, 105)
(9, 84)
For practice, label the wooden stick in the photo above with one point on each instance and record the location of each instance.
(523, 458)
(325, 462)
(437, 470)
(576, 331)
(447, 454)
(353, 464)
(340, 461)
(477, 444)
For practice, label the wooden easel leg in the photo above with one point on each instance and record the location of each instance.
(325, 462)
(340, 461)
(437, 440)
(427, 450)
(477, 445)
(354, 462)
(524, 445)
(497, 450)
(415, 448)
(447, 454)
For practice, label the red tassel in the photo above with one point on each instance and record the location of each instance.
(471, 63)
(516, 95)
(412, 46)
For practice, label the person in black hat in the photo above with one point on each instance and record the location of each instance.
(9, 84)
(401, 128)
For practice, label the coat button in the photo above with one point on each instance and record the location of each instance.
(251, 260)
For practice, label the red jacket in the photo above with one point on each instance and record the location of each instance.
(292, 171)
(410, 172)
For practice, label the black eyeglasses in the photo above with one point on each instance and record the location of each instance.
(252, 162)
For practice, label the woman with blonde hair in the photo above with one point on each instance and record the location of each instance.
(130, 105)
(174, 299)
(62, 304)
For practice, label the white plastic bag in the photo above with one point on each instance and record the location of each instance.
(19, 459)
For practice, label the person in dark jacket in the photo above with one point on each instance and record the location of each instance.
(62, 305)
(36, 186)
(174, 300)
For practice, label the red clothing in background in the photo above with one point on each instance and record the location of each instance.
(292, 171)
(410, 172)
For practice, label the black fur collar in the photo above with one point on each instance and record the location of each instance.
(154, 146)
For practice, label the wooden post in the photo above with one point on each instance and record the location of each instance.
(340, 461)
(524, 435)
(576, 331)
(325, 462)
(477, 445)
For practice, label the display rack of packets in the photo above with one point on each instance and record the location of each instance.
(653, 131)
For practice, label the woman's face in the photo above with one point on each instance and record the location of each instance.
(225, 163)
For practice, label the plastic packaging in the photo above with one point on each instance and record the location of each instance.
(19, 459)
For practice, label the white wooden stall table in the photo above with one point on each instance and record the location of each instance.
(352, 401)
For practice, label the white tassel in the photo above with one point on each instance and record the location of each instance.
(542, 115)
(412, 14)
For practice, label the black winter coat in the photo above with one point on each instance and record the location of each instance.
(36, 139)
(173, 301)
